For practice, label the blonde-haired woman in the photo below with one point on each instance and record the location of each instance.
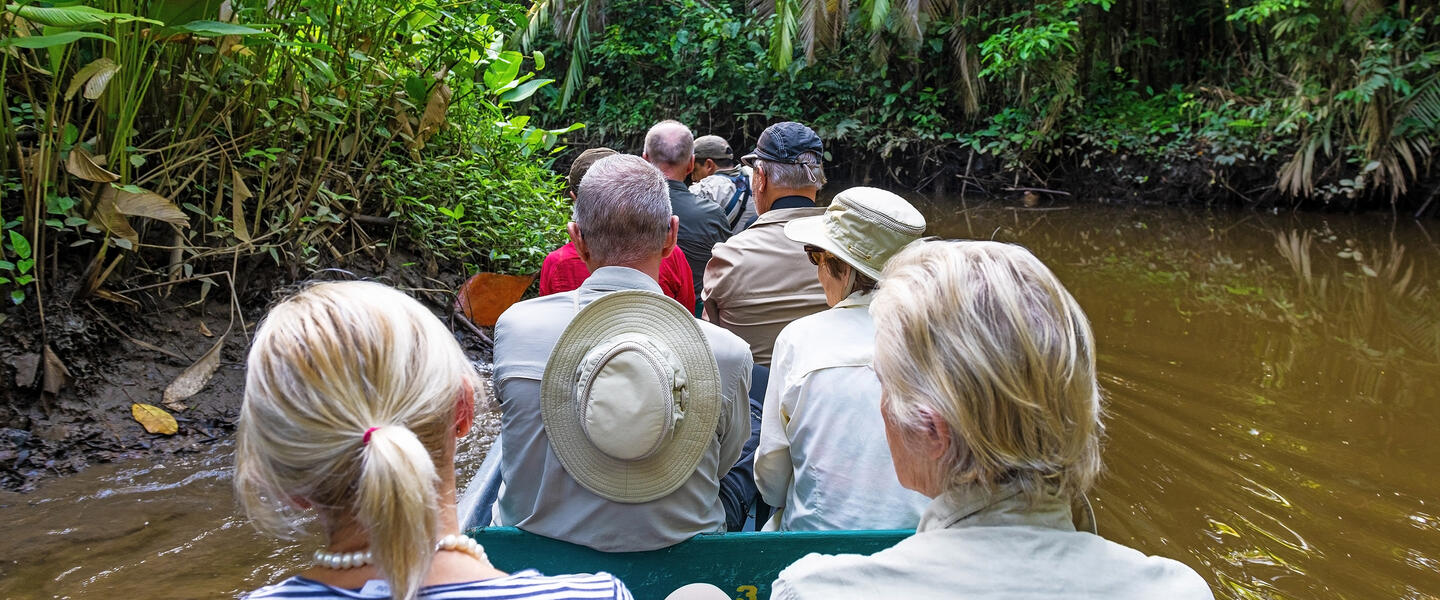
(354, 397)
(991, 408)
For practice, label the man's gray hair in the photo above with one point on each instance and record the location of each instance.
(808, 173)
(669, 143)
(623, 210)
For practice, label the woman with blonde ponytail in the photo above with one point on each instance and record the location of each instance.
(354, 398)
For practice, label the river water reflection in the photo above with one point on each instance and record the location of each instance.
(1267, 427)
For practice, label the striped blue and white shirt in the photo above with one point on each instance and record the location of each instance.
(528, 584)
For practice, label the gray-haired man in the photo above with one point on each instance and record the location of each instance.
(622, 229)
(670, 146)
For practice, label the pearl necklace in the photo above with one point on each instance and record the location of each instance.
(455, 542)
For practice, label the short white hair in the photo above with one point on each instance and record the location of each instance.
(623, 209)
(669, 143)
(985, 337)
(808, 173)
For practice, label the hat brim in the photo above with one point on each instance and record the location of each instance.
(811, 231)
(660, 318)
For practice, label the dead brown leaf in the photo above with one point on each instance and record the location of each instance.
(194, 378)
(154, 419)
(56, 375)
(434, 116)
(107, 217)
(81, 164)
(205, 331)
(149, 205)
(94, 77)
(237, 206)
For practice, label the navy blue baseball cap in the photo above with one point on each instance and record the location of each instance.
(785, 142)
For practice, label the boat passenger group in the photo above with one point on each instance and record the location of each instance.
(845, 370)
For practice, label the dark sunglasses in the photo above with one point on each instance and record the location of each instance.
(814, 253)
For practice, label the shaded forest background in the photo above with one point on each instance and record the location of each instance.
(1322, 103)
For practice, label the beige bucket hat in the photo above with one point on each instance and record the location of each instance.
(631, 396)
(863, 226)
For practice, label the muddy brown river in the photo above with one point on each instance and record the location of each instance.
(1273, 385)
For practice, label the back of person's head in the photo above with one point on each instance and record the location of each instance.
(985, 337)
(669, 143)
(331, 366)
(623, 210)
(582, 165)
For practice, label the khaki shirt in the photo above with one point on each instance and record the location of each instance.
(979, 546)
(760, 281)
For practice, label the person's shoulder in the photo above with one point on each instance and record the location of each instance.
(755, 236)
(819, 322)
(723, 343)
(716, 179)
(824, 576)
(529, 312)
(531, 584)
(565, 252)
(1150, 575)
(294, 587)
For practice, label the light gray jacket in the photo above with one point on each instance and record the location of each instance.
(540, 497)
(987, 547)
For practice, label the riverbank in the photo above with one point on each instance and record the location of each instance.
(109, 355)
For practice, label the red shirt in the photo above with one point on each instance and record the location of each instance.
(563, 271)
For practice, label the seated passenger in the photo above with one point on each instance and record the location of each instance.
(619, 414)
(670, 146)
(991, 407)
(354, 397)
(719, 179)
(563, 270)
(822, 452)
(759, 281)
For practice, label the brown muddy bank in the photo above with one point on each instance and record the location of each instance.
(116, 354)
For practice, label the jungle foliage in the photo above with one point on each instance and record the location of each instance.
(1335, 101)
(155, 142)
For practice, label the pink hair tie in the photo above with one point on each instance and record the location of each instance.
(366, 440)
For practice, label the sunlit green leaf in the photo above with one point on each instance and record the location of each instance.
(53, 40)
(217, 29)
(524, 90)
(70, 16)
(503, 69)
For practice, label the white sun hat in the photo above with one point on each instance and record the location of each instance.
(631, 396)
(863, 226)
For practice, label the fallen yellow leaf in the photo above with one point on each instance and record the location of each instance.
(154, 419)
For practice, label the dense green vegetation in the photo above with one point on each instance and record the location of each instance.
(154, 142)
(1265, 101)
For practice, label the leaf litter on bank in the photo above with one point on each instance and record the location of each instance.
(144, 203)
(154, 419)
(56, 375)
(81, 164)
(194, 378)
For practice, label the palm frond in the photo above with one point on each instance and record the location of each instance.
(782, 34)
(579, 34)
